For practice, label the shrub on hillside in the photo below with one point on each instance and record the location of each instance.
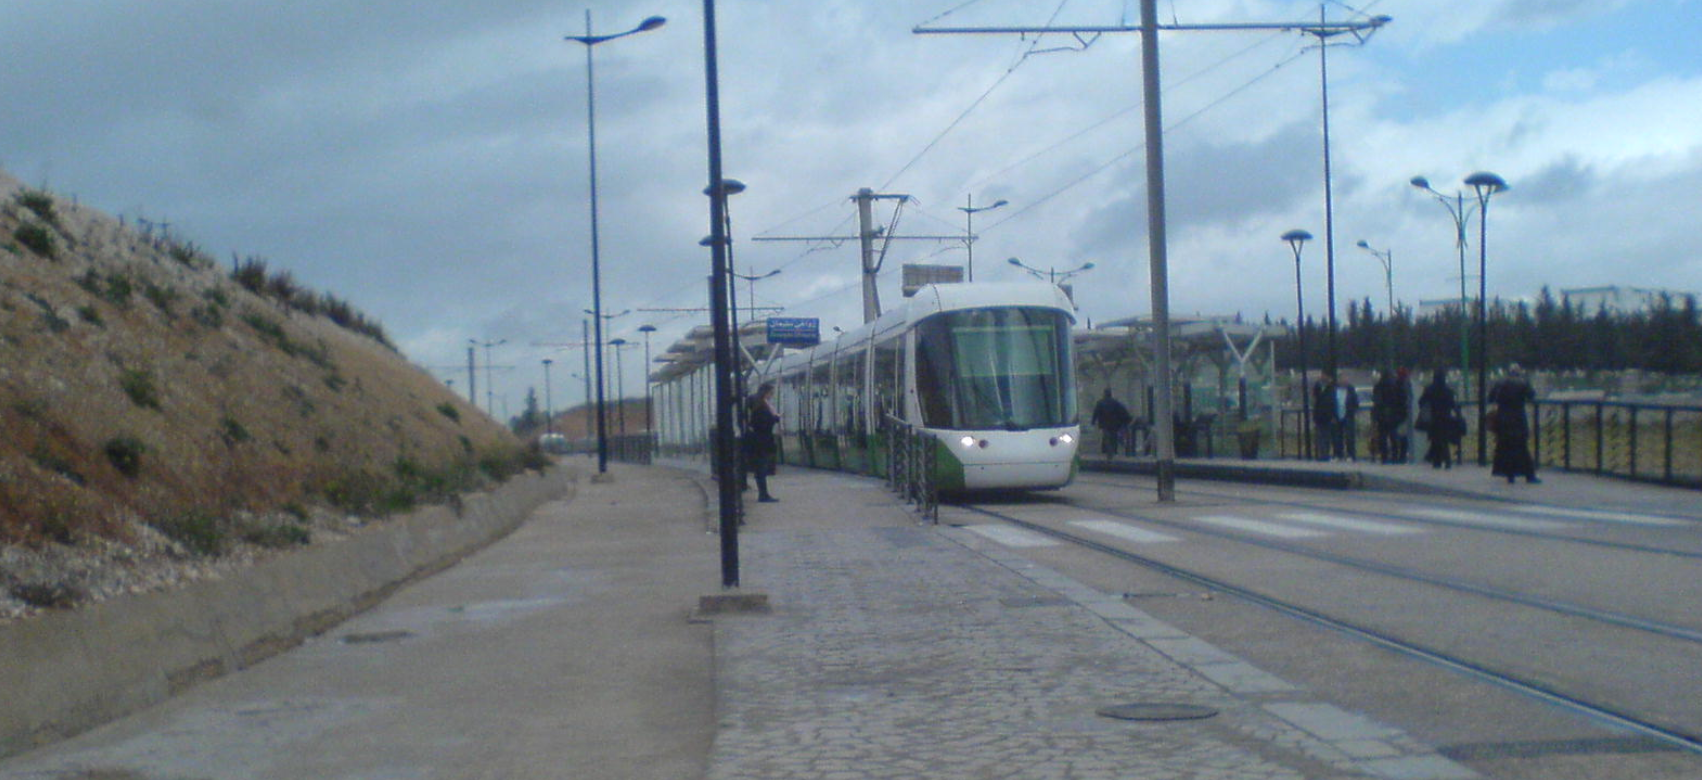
(38, 239)
(125, 453)
(41, 203)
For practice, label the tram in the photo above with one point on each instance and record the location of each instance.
(986, 370)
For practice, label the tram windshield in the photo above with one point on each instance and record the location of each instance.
(996, 368)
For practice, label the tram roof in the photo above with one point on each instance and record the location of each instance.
(697, 348)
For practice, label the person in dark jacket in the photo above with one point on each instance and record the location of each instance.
(1111, 417)
(1389, 400)
(1335, 405)
(760, 444)
(1512, 430)
(1439, 418)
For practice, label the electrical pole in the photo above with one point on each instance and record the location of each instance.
(866, 234)
(1149, 29)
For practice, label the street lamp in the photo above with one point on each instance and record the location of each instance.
(549, 401)
(591, 42)
(1485, 184)
(1295, 239)
(1387, 258)
(969, 211)
(620, 384)
(649, 416)
(1460, 211)
(1051, 274)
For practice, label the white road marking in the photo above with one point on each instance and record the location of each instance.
(1123, 531)
(1594, 514)
(1013, 537)
(1349, 524)
(1260, 527)
(1487, 519)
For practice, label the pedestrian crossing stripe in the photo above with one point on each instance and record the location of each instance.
(1349, 524)
(1260, 527)
(1013, 537)
(1487, 519)
(1123, 531)
(1595, 514)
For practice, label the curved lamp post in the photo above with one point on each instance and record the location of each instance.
(1485, 184)
(1387, 258)
(969, 211)
(591, 42)
(1051, 274)
(1461, 212)
(1295, 239)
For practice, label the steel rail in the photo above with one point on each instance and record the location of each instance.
(1603, 713)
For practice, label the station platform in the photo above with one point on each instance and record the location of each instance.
(888, 648)
(1468, 480)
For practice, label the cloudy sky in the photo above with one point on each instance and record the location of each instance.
(427, 160)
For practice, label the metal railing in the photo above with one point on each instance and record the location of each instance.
(1647, 442)
(911, 460)
(1659, 443)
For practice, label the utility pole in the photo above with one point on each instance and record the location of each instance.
(1149, 29)
(472, 378)
(866, 234)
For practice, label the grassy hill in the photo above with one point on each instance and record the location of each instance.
(161, 418)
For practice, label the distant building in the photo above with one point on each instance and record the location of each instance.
(1619, 300)
(1437, 305)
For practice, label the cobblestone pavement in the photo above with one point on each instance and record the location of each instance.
(907, 651)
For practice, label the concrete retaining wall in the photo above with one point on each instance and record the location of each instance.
(67, 672)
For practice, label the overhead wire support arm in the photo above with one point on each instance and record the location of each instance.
(1314, 28)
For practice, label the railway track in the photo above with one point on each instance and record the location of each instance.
(1603, 712)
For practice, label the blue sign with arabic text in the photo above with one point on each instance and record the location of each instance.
(794, 331)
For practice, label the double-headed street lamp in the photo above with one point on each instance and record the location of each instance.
(969, 211)
(1051, 274)
(1295, 239)
(1484, 184)
(1387, 258)
(591, 42)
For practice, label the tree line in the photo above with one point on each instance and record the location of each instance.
(1545, 335)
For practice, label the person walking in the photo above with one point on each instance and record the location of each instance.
(760, 444)
(1512, 431)
(1439, 419)
(1111, 416)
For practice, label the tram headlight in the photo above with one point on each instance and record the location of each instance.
(967, 441)
(1067, 439)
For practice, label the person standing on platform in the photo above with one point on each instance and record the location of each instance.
(1438, 412)
(1512, 431)
(760, 445)
(1111, 416)
(1389, 399)
(1324, 419)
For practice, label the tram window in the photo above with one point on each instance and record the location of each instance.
(995, 368)
(848, 378)
(886, 380)
(820, 415)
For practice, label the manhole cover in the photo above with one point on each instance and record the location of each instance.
(1156, 711)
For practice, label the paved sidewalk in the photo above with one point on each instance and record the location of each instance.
(893, 649)
(898, 650)
(565, 650)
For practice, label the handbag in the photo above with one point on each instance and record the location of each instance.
(1425, 418)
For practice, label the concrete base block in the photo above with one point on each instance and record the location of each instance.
(732, 603)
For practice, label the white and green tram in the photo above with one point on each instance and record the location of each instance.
(984, 370)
